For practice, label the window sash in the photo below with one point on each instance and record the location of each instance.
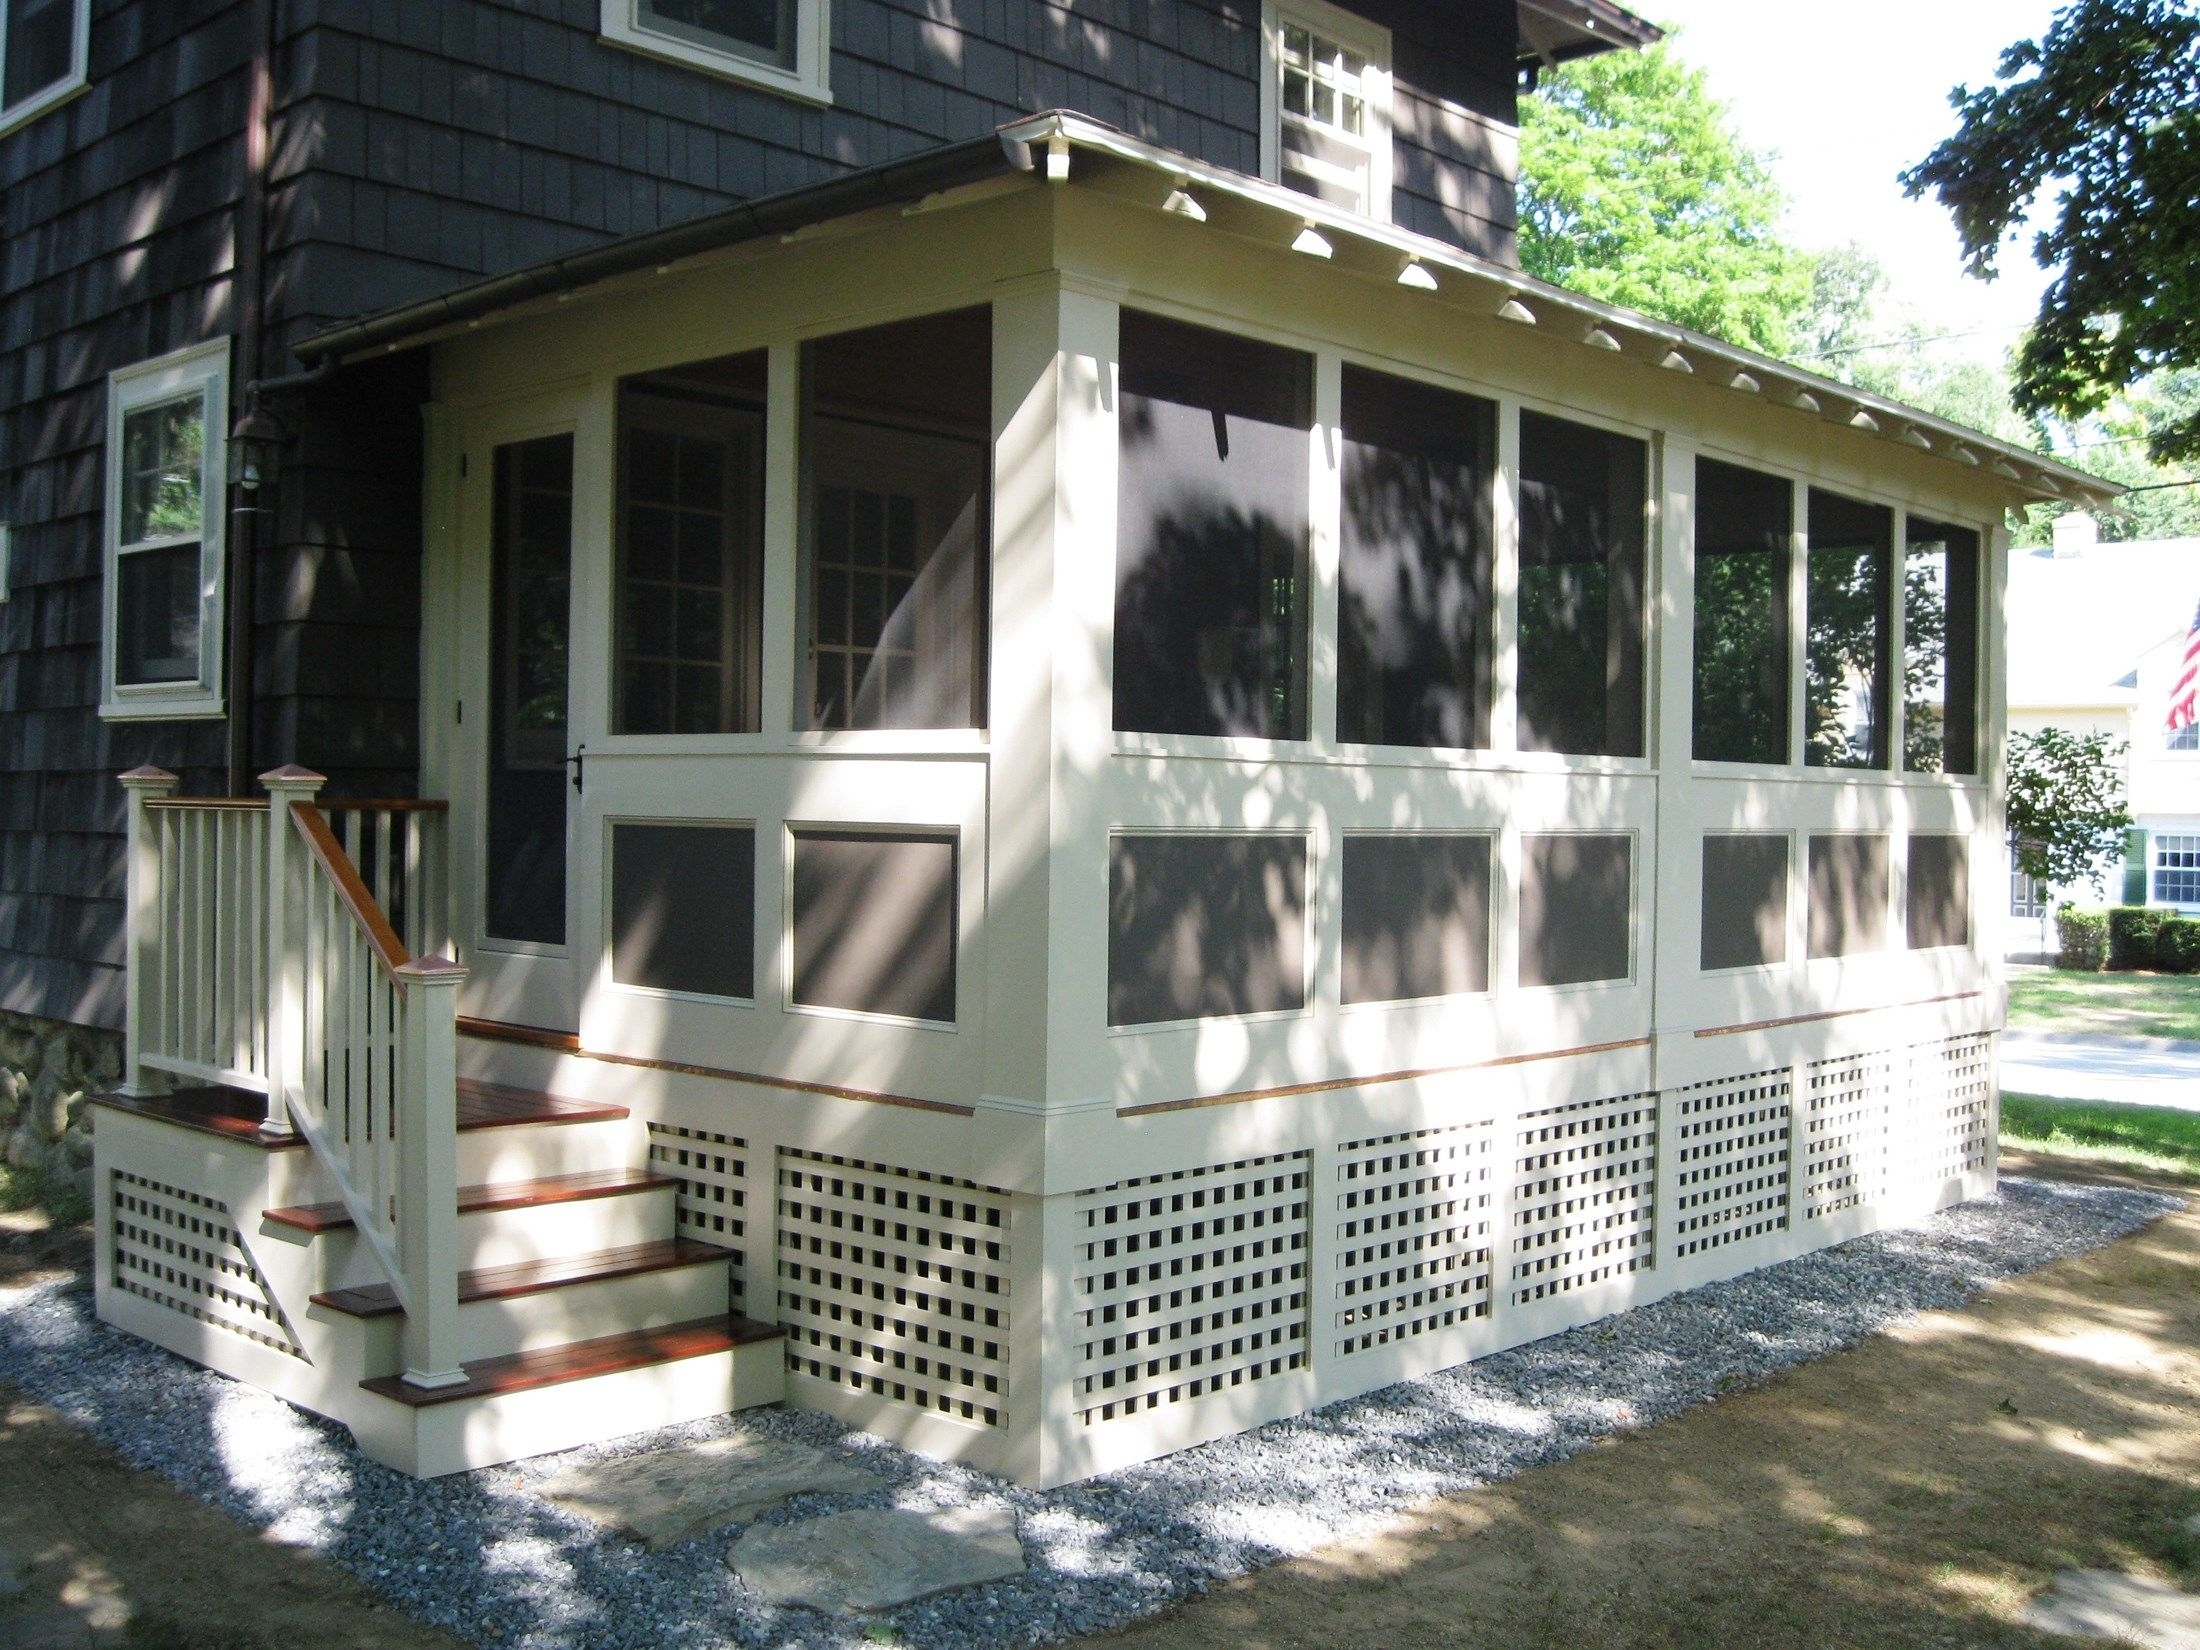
(22, 102)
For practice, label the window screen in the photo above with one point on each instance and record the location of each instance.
(691, 538)
(1745, 900)
(160, 542)
(1743, 524)
(1202, 926)
(683, 907)
(874, 923)
(1583, 496)
(1849, 569)
(1939, 896)
(1327, 127)
(759, 29)
(1416, 916)
(895, 440)
(1576, 908)
(1413, 648)
(1212, 526)
(2177, 870)
(1940, 587)
(1849, 886)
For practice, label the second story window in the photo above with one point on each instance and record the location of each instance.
(1325, 105)
(779, 44)
(42, 44)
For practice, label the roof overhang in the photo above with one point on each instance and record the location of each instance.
(1557, 31)
(1069, 148)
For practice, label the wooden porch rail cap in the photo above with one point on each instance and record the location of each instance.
(384, 805)
(147, 777)
(432, 971)
(389, 950)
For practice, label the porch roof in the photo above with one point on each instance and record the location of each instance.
(1063, 146)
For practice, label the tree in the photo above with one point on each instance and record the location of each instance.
(2105, 109)
(2066, 804)
(1636, 190)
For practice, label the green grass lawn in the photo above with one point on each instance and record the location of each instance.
(2115, 1005)
(2153, 1138)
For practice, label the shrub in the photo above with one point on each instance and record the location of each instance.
(2131, 931)
(2083, 937)
(2177, 946)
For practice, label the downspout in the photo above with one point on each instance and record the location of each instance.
(248, 268)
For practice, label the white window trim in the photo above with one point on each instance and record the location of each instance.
(1348, 29)
(205, 369)
(7, 559)
(810, 80)
(68, 86)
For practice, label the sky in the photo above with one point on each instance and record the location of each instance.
(1849, 96)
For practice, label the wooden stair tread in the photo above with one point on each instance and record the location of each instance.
(498, 1105)
(233, 1114)
(501, 1194)
(578, 1360)
(529, 1277)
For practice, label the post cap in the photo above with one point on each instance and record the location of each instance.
(147, 778)
(432, 971)
(292, 777)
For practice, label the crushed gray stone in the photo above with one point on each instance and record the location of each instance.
(484, 1556)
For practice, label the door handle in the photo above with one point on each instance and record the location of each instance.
(578, 762)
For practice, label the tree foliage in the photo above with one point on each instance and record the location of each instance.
(2105, 109)
(2066, 804)
(1635, 189)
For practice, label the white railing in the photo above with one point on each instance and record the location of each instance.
(262, 957)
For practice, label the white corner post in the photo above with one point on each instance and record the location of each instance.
(142, 907)
(427, 1170)
(286, 950)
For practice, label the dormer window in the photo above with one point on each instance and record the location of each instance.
(1325, 105)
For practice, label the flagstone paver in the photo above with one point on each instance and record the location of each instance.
(876, 1557)
(668, 1495)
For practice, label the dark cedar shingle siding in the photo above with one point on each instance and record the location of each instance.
(420, 144)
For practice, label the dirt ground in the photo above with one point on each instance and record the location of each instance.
(1915, 1491)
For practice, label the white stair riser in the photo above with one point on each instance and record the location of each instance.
(587, 1311)
(498, 1237)
(532, 1151)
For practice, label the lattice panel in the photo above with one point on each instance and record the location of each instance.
(895, 1282)
(712, 1203)
(1952, 1108)
(1584, 1195)
(1731, 1160)
(1413, 1233)
(180, 1250)
(1848, 1131)
(1190, 1283)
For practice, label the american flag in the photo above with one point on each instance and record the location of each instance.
(2183, 711)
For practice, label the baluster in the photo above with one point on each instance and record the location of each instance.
(142, 898)
(385, 895)
(221, 1028)
(416, 904)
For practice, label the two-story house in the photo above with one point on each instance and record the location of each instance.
(979, 680)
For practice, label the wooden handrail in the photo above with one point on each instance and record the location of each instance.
(389, 950)
(241, 804)
(384, 805)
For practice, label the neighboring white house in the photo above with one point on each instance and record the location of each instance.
(2096, 635)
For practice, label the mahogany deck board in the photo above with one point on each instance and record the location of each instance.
(528, 1277)
(498, 1105)
(233, 1114)
(502, 1194)
(608, 1355)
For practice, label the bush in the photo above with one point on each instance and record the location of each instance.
(2083, 937)
(2131, 931)
(2177, 946)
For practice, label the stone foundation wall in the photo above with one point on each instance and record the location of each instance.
(48, 1070)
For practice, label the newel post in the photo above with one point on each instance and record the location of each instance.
(427, 1171)
(142, 904)
(286, 947)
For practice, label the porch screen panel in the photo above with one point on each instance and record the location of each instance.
(683, 907)
(1413, 647)
(1584, 494)
(1212, 526)
(1940, 590)
(874, 922)
(1745, 900)
(691, 536)
(1938, 896)
(1203, 926)
(531, 616)
(1576, 908)
(1744, 520)
(1850, 592)
(1416, 916)
(897, 430)
(1850, 882)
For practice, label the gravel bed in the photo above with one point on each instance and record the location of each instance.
(481, 1555)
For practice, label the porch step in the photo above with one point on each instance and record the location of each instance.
(315, 1218)
(532, 1277)
(498, 1106)
(233, 1114)
(581, 1360)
